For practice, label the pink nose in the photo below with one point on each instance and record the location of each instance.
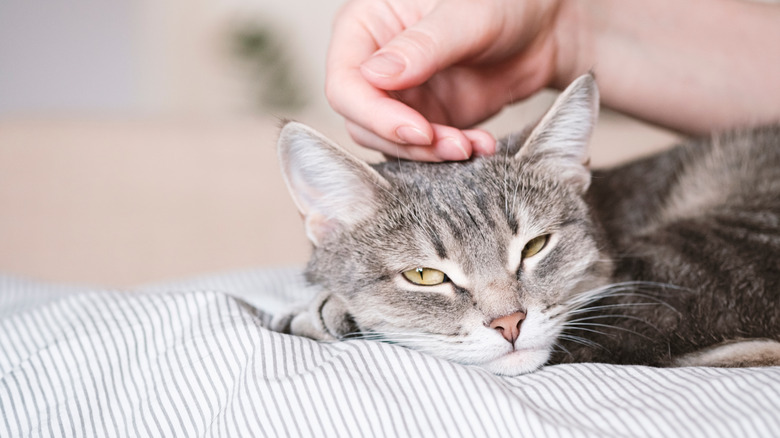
(509, 326)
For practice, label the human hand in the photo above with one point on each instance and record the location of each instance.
(410, 76)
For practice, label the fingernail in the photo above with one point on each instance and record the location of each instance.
(385, 64)
(412, 135)
(482, 149)
(454, 144)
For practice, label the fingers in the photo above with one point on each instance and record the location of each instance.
(453, 149)
(482, 142)
(364, 105)
(358, 32)
(433, 43)
(376, 48)
(449, 144)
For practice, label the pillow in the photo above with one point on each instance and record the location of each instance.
(193, 358)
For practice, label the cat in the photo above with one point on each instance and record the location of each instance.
(527, 258)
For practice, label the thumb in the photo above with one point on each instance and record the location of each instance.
(434, 43)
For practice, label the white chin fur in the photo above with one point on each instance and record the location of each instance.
(517, 362)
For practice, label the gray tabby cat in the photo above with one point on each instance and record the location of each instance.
(527, 258)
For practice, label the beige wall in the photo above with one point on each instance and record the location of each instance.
(186, 59)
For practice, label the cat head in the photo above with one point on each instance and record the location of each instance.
(476, 262)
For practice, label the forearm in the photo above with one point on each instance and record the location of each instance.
(694, 66)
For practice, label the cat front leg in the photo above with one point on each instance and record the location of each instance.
(325, 318)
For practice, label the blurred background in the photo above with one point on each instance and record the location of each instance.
(137, 137)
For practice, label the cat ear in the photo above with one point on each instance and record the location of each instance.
(332, 189)
(560, 140)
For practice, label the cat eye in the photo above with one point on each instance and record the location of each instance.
(535, 245)
(425, 276)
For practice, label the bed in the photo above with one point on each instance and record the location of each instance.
(193, 358)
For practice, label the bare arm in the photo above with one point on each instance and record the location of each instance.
(694, 66)
(413, 76)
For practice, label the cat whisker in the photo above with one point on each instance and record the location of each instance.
(366, 335)
(611, 261)
(603, 291)
(609, 306)
(607, 315)
(580, 326)
(581, 341)
(640, 283)
(620, 289)
(600, 294)
(597, 293)
(559, 347)
(407, 342)
(650, 297)
(578, 322)
(404, 341)
(394, 338)
(585, 298)
(662, 285)
(377, 332)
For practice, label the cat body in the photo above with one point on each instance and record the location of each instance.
(705, 218)
(526, 258)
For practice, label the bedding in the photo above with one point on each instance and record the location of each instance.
(193, 358)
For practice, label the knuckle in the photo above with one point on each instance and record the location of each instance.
(333, 95)
(420, 43)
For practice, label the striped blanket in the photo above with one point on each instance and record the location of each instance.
(193, 358)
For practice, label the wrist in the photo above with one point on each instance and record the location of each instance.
(574, 27)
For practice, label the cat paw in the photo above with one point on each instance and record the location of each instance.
(324, 319)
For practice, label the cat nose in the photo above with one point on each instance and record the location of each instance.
(509, 326)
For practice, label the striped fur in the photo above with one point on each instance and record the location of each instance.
(642, 264)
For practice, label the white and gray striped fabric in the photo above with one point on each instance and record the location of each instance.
(189, 359)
